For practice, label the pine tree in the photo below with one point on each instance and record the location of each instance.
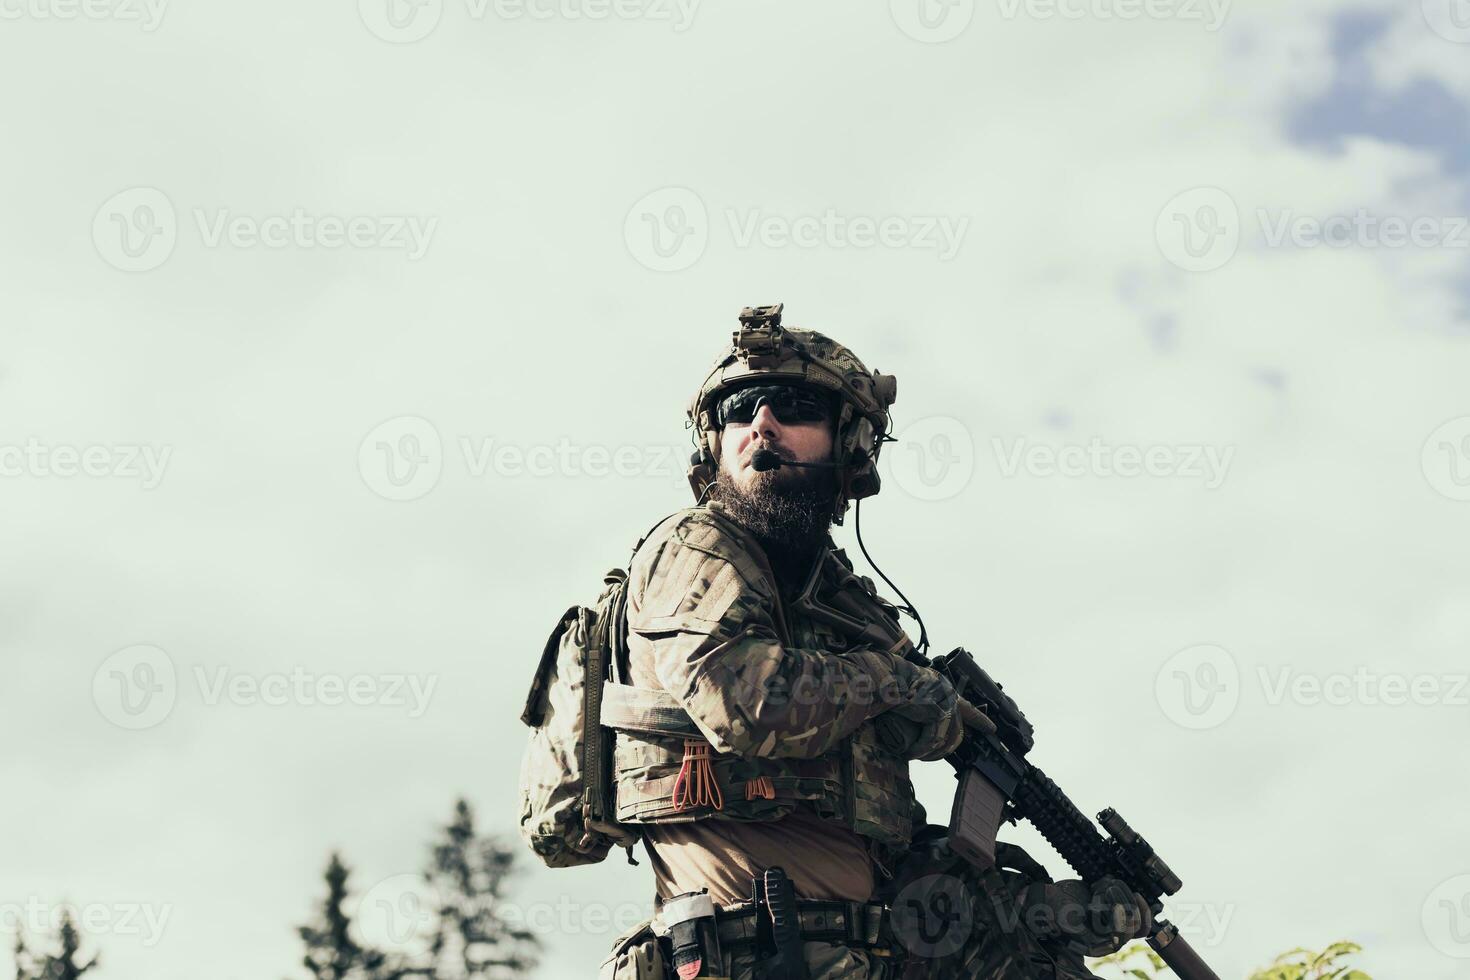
(469, 874)
(65, 965)
(331, 952)
(24, 969)
(466, 879)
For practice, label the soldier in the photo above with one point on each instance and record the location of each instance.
(773, 717)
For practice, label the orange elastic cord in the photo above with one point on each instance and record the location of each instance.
(695, 785)
(760, 788)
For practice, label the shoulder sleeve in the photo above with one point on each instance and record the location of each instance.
(691, 573)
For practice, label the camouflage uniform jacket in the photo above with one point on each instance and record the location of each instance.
(778, 699)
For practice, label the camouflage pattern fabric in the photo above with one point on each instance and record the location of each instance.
(785, 700)
(557, 768)
(778, 691)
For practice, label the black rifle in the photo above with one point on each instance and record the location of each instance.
(997, 783)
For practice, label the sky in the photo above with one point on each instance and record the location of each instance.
(342, 349)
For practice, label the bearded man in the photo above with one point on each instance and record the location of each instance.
(771, 785)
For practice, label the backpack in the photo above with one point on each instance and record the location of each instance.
(568, 810)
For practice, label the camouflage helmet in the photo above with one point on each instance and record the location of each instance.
(763, 351)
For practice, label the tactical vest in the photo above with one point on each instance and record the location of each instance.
(665, 772)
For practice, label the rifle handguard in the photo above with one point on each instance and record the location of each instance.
(975, 719)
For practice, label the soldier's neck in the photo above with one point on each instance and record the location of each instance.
(792, 564)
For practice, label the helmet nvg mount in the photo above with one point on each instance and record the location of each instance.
(765, 352)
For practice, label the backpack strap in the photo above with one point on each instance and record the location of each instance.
(616, 626)
(596, 746)
(617, 672)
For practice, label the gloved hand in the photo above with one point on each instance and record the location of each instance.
(926, 723)
(1094, 921)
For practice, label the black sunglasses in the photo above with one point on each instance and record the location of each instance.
(788, 403)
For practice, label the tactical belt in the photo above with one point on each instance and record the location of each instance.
(865, 924)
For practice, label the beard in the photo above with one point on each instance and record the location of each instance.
(788, 510)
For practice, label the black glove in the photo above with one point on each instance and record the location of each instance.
(926, 723)
(1094, 921)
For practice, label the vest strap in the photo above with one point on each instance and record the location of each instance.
(645, 710)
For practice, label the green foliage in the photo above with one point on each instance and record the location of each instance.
(1303, 964)
(1138, 962)
(1134, 961)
